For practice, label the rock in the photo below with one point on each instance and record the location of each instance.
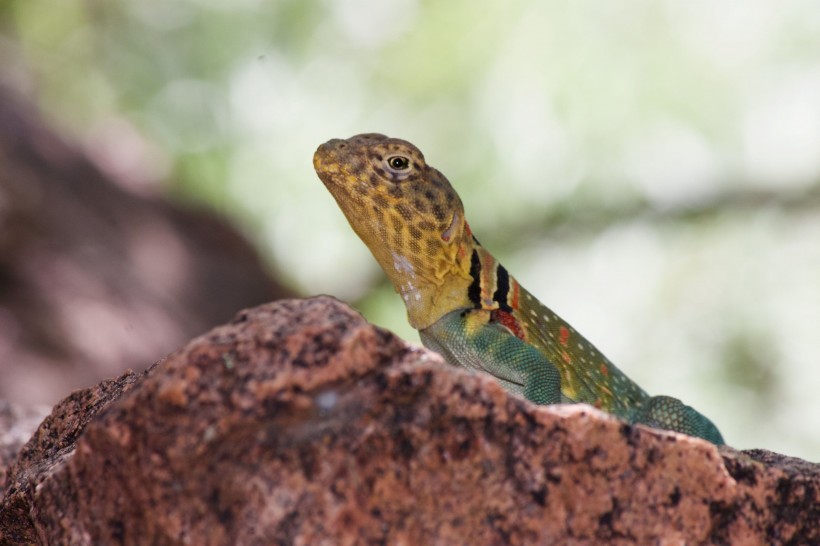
(53, 442)
(299, 423)
(17, 423)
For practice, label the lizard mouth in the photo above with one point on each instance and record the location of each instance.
(334, 164)
(323, 161)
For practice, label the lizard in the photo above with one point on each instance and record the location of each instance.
(465, 305)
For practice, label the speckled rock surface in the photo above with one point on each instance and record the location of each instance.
(17, 423)
(299, 423)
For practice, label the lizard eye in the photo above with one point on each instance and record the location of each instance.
(398, 163)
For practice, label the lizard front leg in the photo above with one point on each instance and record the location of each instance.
(469, 338)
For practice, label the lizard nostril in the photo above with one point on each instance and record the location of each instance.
(333, 144)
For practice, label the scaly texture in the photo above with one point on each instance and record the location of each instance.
(464, 303)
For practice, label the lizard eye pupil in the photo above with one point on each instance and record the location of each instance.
(398, 163)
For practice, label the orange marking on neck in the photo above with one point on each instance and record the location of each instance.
(462, 252)
(563, 335)
(604, 370)
(515, 290)
(507, 320)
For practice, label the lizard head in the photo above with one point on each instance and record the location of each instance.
(407, 214)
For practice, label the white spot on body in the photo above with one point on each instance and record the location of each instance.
(408, 290)
(403, 265)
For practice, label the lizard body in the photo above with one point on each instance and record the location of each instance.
(465, 304)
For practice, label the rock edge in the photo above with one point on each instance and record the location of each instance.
(299, 423)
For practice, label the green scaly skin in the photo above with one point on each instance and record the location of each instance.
(464, 303)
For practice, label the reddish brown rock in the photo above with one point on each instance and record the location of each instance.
(299, 423)
(53, 442)
(17, 423)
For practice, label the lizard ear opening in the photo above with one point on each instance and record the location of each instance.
(450, 231)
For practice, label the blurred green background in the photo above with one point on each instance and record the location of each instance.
(650, 170)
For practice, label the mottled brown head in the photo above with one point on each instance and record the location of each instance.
(409, 216)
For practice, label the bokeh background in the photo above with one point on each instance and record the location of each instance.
(649, 169)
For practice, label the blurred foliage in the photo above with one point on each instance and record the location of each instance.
(650, 169)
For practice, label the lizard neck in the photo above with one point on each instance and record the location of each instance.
(434, 286)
